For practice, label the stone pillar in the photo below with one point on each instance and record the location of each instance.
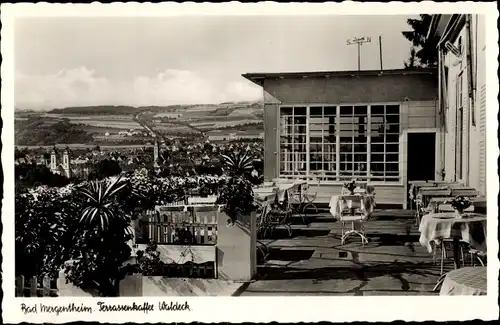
(236, 248)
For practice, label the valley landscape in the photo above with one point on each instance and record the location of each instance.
(136, 126)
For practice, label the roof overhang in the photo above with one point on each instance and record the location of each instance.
(445, 27)
(258, 78)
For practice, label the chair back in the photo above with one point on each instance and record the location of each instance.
(421, 183)
(353, 198)
(449, 208)
(467, 192)
(434, 191)
(352, 207)
(370, 189)
(449, 184)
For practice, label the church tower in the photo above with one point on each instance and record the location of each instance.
(156, 154)
(65, 164)
(53, 160)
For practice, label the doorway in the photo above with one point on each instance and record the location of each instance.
(421, 162)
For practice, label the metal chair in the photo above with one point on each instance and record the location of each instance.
(353, 213)
(477, 255)
(308, 197)
(423, 198)
(295, 203)
(443, 247)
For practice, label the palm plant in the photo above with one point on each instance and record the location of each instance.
(237, 193)
(238, 163)
(101, 207)
(102, 237)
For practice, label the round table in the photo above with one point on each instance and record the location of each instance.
(467, 281)
(470, 228)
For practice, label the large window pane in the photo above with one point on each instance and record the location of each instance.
(322, 139)
(312, 135)
(293, 141)
(385, 128)
(316, 111)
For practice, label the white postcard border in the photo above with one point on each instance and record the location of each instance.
(255, 309)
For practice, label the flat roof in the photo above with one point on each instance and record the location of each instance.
(259, 77)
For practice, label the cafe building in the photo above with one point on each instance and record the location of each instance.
(461, 48)
(380, 127)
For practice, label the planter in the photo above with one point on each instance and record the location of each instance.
(459, 214)
(237, 248)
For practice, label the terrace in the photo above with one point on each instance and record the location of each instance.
(312, 260)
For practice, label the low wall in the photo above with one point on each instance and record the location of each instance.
(180, 254)
(68, 289)
(157, 286)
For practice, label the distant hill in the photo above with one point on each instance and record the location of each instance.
(225, 109)
(37, 131)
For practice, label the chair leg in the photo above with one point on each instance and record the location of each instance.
(439, 282)
(434, 254)
(462, 256)
(342, 237)
(443, 256)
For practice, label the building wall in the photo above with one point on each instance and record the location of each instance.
(479, 164)
(420, 117)
(271, 113)
(359, 89)
(420, 114)
(474, 112)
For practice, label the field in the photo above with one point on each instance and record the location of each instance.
(183, 120)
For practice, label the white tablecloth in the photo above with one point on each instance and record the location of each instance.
(435, 227)
(467, 281)
(337, 205)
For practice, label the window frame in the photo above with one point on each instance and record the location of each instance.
(338, 180)
(459, 127)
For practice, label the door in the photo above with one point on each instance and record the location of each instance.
(421, 162)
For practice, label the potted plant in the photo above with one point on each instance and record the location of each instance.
(236, 194)
(350, 186)
(460, 203)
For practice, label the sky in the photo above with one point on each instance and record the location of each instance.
(61, 62)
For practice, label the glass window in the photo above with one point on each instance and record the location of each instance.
(340, 143)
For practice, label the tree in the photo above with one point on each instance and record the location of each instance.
(29, 175)
(424, 51)
(43, 232)
(412, 60)
(106, 168)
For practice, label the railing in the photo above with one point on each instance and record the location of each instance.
(36, 287)
(182, 224)
(177, 203)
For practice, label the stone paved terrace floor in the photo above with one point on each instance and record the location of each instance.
(313, 262)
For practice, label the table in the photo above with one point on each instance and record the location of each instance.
(264, 195)
(285, 188)
(336, 205)
(435, 227)
(467, 281)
